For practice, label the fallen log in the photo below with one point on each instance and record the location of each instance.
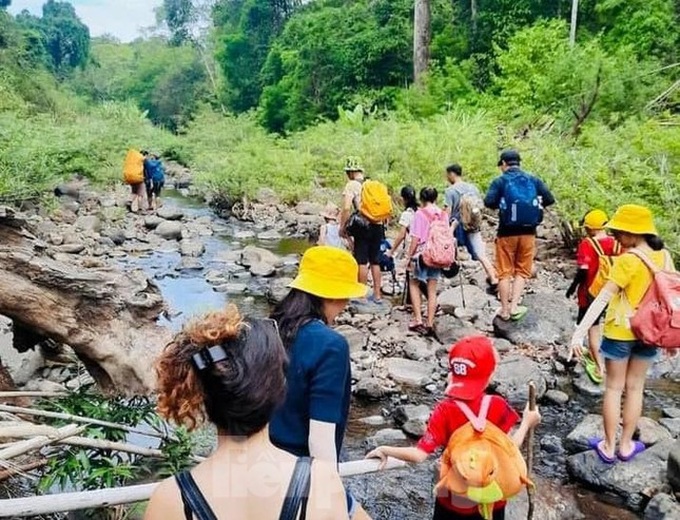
(19, 448)
(106, 315)
(76, 418)
(48, 504)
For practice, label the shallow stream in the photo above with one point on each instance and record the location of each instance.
(398, 494)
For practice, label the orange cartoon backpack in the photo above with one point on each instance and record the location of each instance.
(481, 463)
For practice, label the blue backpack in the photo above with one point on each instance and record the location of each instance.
(386, 262)
(520, 206)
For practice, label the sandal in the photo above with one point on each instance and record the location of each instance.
(521, 312)
(417, 327)
(638, 447)
(596, 444)
(592, 371)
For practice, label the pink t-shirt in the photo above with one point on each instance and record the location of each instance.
(420, 227)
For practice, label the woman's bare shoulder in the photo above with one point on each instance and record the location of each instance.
(165, 503)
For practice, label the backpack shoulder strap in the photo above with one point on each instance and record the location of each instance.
(596, 246)
(478, 421)
(617, 248)
(298, 491)
(646, 260)
(192, 498)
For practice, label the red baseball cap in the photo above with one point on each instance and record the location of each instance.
(472, 362)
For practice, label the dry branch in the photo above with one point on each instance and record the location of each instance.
(21, 469)
(38, 442)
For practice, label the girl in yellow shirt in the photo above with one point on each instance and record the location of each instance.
(627, 359)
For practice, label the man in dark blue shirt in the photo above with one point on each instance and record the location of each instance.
(520, 199)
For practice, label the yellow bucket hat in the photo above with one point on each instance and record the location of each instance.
(634, 219)
(595, 219)
(329, 272)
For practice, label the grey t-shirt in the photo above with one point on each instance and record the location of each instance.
(455, 192)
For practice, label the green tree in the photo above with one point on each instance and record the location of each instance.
(178, 15)
(4, 4)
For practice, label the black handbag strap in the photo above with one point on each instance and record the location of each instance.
(298, 491)
(194, 502)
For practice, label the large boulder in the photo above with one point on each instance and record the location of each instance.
(662, 507)
(630, 480)
(548, 322)
(464, 297)
(409, 372)
(412, 419)
(89, 224)
(170, 213)
(451, 329)
(512, 377)
(252, 255)
(590, 427)
(673, 470)
(193, 248)
(169, 230)
(152, 221)
(356, 338)
(371, 388)
(309, 208)
(262, 269)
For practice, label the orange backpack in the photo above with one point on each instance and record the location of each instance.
(481, 463)
(133, 167)
(376, 203)
(604, 267)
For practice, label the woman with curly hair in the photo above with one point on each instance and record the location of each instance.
(231, 371)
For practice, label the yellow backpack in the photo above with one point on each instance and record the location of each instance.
(376, 203)
(604, 267)
(481, 463)
(133, 167)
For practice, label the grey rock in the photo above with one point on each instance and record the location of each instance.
(373, 420)
(662, 507)
(451, 329)
(169, 230)
(672, 425)
(189, 263)
(170, 213)
(552, 444)
(193, 248)
(557, 397)
(278, 289)
(106, 242)
(231, 288)
(89, 223)
(356, 338)
(590, 427)
(512, 377)
(262, 269)
(267, 196)
(244, 234)
(673, 468)
(548, 322)
(502, 345)
(309, 208)
(408, 372)
(371, 387)
(673, 413)
(386, 436)
(269, 235)
(471, 297)
(71, 249)
(412, 419)
(585, 386)
(651, 432)
(55, 239)
(22, 366)
(417, 348)
(254, 255)
(117, 236)
(227, 257)
(630, 480)
(152, 221)
(43, 385)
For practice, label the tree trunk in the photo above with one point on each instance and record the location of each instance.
(108, 317)
(574, 22)
(474, 10)
(421, 39)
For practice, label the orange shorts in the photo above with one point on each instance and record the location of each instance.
(515, 256)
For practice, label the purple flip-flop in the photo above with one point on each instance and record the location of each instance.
(595, 445)
(638, 447)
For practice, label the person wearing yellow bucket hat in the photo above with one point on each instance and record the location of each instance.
(627, 359)
(593, 254)
(313, 417)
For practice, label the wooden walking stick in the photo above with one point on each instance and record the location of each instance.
(530, 451)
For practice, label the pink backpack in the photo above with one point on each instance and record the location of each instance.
(439, 251)
(657, 320)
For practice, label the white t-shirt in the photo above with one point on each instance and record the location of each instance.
(406, 218)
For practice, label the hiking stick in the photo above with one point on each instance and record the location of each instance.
(530, 451)
(462, 291)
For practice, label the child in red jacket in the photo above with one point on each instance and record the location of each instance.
(472, 362)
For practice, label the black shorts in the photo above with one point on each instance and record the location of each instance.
(582, 313)
(135, 188)
(442, 513)
(367, 244)
(154, 188)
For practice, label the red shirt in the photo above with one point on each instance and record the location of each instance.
(446, 418)
(587, 258)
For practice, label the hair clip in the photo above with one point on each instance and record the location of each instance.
(207, 357)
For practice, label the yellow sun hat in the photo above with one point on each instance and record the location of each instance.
(329, 272)
(634, 219)
(595, 219)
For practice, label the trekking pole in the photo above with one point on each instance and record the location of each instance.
(462, 291)
(530, 451)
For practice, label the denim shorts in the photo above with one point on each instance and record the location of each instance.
(423, 273)
(618, 350)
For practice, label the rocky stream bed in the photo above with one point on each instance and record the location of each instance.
(199, 261)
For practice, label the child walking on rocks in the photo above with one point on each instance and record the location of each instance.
(472, 362)
(593, 256)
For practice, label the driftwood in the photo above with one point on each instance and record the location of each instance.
(106, 315)
(78, 419)
(44, 505)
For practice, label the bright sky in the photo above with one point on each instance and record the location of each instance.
(125, 19)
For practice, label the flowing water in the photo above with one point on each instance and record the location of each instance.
(398, 494)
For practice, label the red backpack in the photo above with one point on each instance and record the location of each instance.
(439, 251)
(657, 319)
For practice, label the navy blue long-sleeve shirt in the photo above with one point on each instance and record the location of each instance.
(319, 388)
(495, 194)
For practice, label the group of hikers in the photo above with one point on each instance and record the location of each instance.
(278, 390)
(144, 173)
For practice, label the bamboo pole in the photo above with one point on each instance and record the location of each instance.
(21, 393)
(78, 418)
(100, 444)
(530, 452)
(21, 469)
(35, 443)
(48, 504)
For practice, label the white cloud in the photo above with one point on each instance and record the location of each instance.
(125, 19)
